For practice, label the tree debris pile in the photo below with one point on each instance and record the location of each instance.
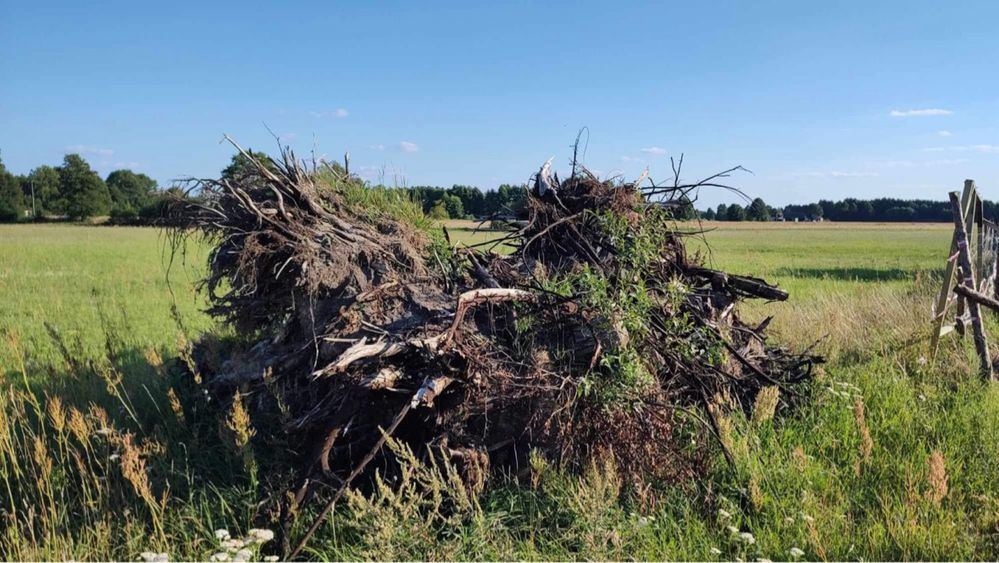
(591, 337)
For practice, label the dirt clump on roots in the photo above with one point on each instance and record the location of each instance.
(597, 335)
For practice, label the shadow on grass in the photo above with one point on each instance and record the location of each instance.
(854, 274)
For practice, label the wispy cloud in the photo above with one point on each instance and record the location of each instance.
(406, 146)
(87, 149)
(338, 113)
(944, 133)
(840, 174)
(377, 147)
(925, 112)
(920, 163)
(283, 137)
(654, 150)
(984, 149)
(131, 165)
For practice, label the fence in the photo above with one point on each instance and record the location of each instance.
(973, 252)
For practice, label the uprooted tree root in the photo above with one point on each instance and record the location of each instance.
(588, 339)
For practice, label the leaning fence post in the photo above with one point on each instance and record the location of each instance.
(964, 261)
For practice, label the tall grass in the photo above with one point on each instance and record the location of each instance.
(106, 452)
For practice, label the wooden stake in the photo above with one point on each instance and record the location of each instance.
(940, 308)
(964, 260)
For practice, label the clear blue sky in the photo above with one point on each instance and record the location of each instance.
(818, 99)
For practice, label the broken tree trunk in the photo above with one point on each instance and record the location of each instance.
(964, 261)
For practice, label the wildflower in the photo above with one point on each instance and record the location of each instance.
(114, 457)
(222, 534)
(807, 518)
(271, 558)
(152, 556)
(147, 556)
(733, 530)
(747, 538)
(259, 535)
(763, 560)
(796, 553)
(243, 555)
(220, 556)
(233, 544)
(105, 431)
(921, 361)
(789, 519)
(724, 514)
(715, 551)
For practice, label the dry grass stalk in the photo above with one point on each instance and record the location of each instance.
(765, 404)
(936, 476)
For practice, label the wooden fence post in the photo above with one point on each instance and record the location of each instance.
(940, 307)
(968, 280)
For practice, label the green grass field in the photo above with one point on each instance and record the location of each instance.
(892, 456)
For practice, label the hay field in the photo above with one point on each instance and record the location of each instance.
(893, 457)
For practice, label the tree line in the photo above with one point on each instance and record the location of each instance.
(883, 209)
(75, 191)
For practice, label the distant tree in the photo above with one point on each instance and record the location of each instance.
(758, 211)
(240, 167)
(721, 213)
(708, 215)
(455, 209)
(11, 198)
(42, 184)
(513, 199)
(815, 211)
(735, 212)
(439, 211)
(130, 192)
(473, 201)
(85, 193)
(684, 211)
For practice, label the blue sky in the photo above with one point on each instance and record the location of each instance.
(819, 100)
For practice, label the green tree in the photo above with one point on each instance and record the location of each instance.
(85, 193)
(130, 192)
(473, 201)
(439, 211)
(11, 198)
(455, 209)
(42, 184)
(735, 212)
(721, 213)
(815, 211)
(758, 211)
(240, 168)
(708, 215)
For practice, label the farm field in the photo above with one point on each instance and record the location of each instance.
(891, 457)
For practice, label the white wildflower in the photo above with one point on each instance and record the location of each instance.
(260, 535)
(243, 555)
(715, 551)
(724, 514)
(796, 553)
(233, 544)
(271, 558)
(114, 457)
(763, 560)
(222, 534)
(789, 519)
(807, 518)
(220, 556)
(732, 530)
(147, 556)
(747, 537)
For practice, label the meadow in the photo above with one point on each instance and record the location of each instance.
(892, 455)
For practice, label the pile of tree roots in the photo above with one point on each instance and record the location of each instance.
(586, 331)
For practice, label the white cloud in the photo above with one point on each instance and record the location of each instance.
(131, 165)
(377, 147)
(944, 133)
(338, 113)
(654, 150)
(283, 137)
(985, 149)
(839, 174)
(86, 149)
(919, 163)
(920, 112)
(406, 146)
